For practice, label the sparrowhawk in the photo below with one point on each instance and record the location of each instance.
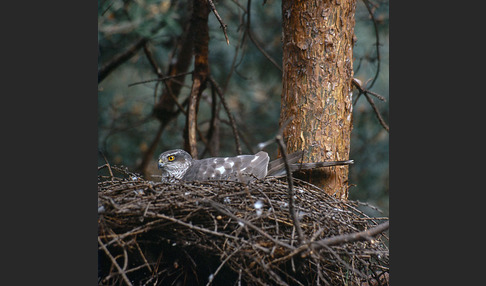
(179, 165)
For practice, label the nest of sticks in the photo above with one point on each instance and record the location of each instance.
(230, 233)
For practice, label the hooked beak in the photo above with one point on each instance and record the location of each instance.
(160, 165)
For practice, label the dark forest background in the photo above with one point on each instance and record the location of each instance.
(251, 83)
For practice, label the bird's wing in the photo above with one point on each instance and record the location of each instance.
(242, 168)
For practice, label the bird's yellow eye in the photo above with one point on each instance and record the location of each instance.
(170, 158)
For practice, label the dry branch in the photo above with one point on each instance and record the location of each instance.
(225, 233)
(366, 92)
(230, 116)
(120, 58)
(290, 181)
(223, 25)
(254, 41)
(201, 71)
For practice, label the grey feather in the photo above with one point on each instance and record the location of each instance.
(243, 168)
(277, 167)
(179, 165)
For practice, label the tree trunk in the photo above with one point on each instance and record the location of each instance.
(201, 72)
(317, 91)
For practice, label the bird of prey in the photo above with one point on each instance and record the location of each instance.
(179, 165)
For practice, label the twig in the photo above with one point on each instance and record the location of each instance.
(219, 208)
(160, 78)
(250, 35)
(293, 215)
(140, 229)
(184, 216)
(273, 211)
(223, 25)
(125, 258)
(212, 136)
(113, 260)
(147, 156)
(151, 59)
(146, 264)
(230, 116)
(119, 59)
(107, 8)
(352, 237)
(222, 264)
(190, 142)
(366, 2)
(335, 240)
(191, 226)
(162, 110)
(377, 112)
(233, 65)
(357, 83)
(282, 148)
(107, 164)
(366, 93)
(242, 132)
(239, 277)
(263, 145)
(338, 258)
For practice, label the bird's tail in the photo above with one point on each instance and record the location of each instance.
(277, 167)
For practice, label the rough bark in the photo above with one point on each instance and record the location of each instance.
(317, 92)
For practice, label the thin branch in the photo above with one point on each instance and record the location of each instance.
(146, 263)
(113, 260)
(242, 134)
(263, 145)
(163, 109)
(230, 116)
(151, 150)
(352, 237)
(202, 229)
(151, 59)
(366, 92)
(161, 78)
(223, 25)
(191, 119)
(106, 164)
(336, 240)
(233, 65)
(239, 5)
(220, 208)
(120, 58)
(141, 229)
(293, 215)
(212, 135)
(350, 268)
(357, 83)
(367, 4)
(147, 156)
(377, 112)
(222, 264)
(250, 35)
(107, 8)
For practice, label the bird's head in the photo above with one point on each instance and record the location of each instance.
(174, 163)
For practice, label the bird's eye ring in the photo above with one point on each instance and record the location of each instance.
(170, 158)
